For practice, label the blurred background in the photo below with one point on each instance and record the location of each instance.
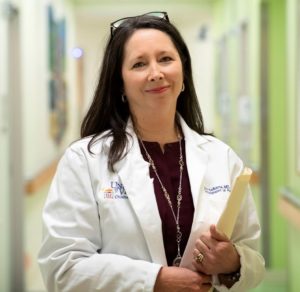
(246, 63)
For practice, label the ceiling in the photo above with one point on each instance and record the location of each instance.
(92, 10)
(141, 2)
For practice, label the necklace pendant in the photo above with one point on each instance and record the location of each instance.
(176, 261)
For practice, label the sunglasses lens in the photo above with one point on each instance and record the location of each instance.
(157, 14)
(117, 23)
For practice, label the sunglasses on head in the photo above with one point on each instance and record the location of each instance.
(114, 25)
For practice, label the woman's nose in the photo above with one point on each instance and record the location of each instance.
(155, 73)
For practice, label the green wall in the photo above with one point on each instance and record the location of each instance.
(293, 176)
(293, 57)
(277, 127)
(229, 15)
(282, 112)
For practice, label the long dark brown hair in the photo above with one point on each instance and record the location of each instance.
(107, 111)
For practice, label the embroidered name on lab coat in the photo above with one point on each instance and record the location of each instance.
(217, 189)
(115, 191)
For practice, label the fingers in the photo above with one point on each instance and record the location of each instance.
(181, 279)
(206, 279)
(214, 252)
(217, 235)
(203, 245)
(198, 256)
(200, 253)
(205, 283)
(210, 239)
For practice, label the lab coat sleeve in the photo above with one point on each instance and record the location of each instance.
(69, 258)
(245, 237)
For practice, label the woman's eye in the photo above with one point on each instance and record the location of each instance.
(138, 65)
(166, 59)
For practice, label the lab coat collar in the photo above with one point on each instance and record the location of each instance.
(188, 133)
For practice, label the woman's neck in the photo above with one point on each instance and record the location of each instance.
(154, 129)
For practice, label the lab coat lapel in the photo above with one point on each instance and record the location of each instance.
(134, 174)
(196, 164)
(197, 160)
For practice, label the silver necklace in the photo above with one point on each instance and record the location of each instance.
(177, 260)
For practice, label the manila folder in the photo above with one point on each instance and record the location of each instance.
(227, 220)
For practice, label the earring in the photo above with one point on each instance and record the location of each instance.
(123, 97)
(183, 87)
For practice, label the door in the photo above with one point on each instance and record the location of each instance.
(11, 204)
(264, 131)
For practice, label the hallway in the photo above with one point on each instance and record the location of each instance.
(246, 65)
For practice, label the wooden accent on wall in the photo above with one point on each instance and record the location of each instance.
(255, 179)
(41, 179)
(290, 211)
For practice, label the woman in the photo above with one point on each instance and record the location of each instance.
(135, 190)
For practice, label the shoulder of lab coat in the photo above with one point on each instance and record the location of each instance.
(69, 258)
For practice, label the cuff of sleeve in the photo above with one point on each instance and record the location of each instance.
(150, 277)
(235, 287)
(251, 273)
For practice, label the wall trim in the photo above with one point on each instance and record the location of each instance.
(41, 179)
(289, 206)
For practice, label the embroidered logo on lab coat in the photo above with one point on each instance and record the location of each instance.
(115, 191)
(217, 189)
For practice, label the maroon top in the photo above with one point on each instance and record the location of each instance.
(168, 170)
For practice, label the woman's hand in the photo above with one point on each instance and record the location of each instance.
(219, 254)
(181, 279)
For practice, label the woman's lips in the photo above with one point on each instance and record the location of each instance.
(157, 89)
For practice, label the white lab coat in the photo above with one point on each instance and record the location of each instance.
(102, 230)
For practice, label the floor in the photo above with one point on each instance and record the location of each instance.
(274, 280)
(33, 236)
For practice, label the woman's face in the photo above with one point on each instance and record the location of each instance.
(152, 72)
